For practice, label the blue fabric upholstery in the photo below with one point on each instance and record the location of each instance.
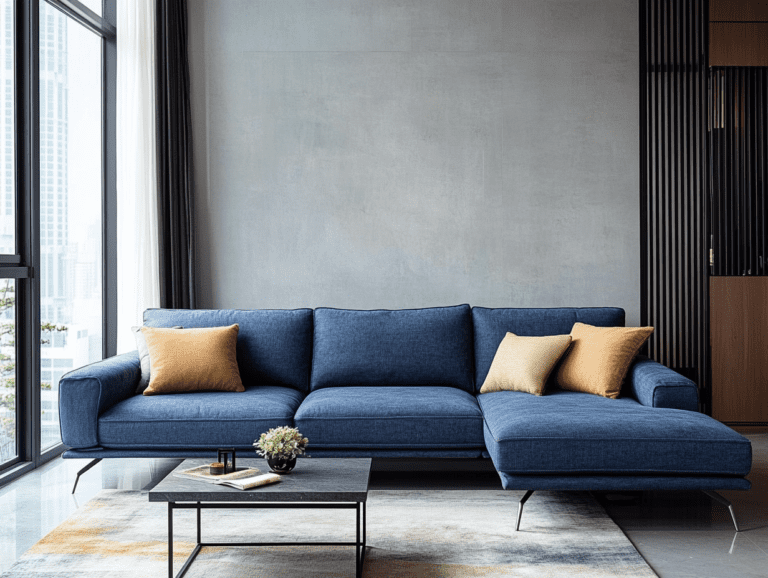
(408, 381)
(410, 347)
(391, 417)
(568, 432)
(491, 325)
(655, 385)
(619, 483)
(197, 420)
(136, 453)
(87, 392)
(274, 346)
(316, 453)
(394, 454)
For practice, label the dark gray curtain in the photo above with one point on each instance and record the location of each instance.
(174, 158)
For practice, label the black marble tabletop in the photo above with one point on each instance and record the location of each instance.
(313, 480)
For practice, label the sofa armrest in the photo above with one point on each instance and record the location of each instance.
(86, 393)
(655, 385)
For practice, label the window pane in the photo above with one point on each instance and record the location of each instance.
(70, 205)
(7, 131)
(8, 449)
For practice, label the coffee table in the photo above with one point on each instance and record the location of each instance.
(316, 483)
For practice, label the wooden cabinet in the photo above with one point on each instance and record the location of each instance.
(739, 339)
(738, 10)
(738, 44)
(738, 33)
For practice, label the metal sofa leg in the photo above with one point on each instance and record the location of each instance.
(523, 500)
(718, 498)
(85, 469)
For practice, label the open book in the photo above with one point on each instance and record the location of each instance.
(201, 473)
(248, 483)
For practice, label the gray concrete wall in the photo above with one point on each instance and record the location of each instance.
(408, 153)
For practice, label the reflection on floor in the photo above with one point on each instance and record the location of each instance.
(687, 535)
(680, 534)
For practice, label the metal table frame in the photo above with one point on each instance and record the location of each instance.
(359, 543)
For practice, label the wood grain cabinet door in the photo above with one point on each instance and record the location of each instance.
(738, 32)
(739, 338)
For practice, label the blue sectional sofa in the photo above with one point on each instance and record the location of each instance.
(405, 384)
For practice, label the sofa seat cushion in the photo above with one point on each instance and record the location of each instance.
(570, 432)
(409, 417)
(197, 420)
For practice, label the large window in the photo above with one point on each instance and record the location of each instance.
(57, 198)
(8, 129)
(71, 311)
(8, 391)
(8, 422)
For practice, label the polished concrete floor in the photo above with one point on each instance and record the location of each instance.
(680, 534)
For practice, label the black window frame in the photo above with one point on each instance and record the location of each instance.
(23, 265)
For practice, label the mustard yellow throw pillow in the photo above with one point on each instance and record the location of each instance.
(599, 358)
(524, 363)
(184, 360)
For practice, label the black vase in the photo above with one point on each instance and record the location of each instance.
(281, 466)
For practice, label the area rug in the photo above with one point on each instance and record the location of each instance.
(413, 534)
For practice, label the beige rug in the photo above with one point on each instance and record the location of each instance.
(424, 534)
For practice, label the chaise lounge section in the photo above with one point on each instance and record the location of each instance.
(651, 438)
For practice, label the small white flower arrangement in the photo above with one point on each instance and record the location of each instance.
(281, 443)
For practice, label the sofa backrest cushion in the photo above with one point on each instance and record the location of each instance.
(393, 348)
(491, 325)
(274, 346)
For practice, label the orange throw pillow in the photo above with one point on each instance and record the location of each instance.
(184, 360)
(599, 358)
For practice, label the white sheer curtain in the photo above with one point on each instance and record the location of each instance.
(138, 279)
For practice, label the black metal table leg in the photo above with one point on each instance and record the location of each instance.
(170, 539)
(362, 557)
(358, 568)
(198, 523)
(189, 561)
(359, 543)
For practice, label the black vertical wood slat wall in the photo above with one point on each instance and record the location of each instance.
(738, 144)
(674, 185)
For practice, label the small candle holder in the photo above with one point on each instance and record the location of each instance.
(223, 457)
(217, 469)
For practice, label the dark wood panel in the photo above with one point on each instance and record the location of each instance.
(738, 44)
(738, 10)
(739, 337)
